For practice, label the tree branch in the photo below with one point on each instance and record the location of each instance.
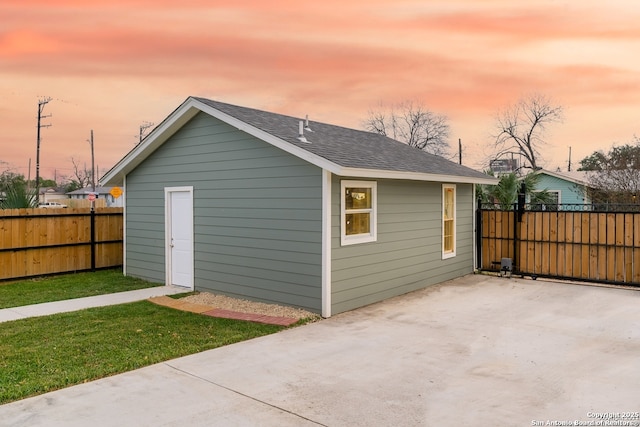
(412, 124)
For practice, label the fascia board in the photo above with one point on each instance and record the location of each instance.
(181, 116)
(314, 159)
(155, 139)
(415, 176)
(564, 177)
(191, 107)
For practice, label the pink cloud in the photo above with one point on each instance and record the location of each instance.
(126, 61)
(25, 43)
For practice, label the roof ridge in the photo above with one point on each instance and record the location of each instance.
(210, 101)
(338, 149)
(347, 147)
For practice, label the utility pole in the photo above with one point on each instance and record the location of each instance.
(92, 198)
(569, 168)
(41, 104)
(93, 169)
(460, 150)
(29, 175)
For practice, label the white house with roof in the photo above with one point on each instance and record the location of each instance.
(268, 207)
(100, 192)
(51, 194)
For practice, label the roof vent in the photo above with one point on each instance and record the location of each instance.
(301, 133)
(306, 124)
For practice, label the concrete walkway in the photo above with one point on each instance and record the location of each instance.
(476, 351)
(47, 308)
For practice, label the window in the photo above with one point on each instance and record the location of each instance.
(358, 212)
(554, 196)
(550, 204)
(448, 221)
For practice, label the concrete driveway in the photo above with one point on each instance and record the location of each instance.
(476, 351)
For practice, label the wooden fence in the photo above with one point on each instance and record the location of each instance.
(36, 242)
(100, 202)
(589, 246)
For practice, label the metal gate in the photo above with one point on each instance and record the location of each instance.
(597, 243)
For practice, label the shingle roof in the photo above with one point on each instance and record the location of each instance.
(578, 177)
(339, 150)
(347, 147)
(86, 190)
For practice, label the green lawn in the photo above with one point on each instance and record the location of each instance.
(68, 286)
(42, 354)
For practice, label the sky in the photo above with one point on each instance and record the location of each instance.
(112, 66)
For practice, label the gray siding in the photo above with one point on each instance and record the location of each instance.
(257, 209)
(407, 255)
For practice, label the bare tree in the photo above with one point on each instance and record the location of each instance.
(412, 124)
(81, 177)
(521, 128)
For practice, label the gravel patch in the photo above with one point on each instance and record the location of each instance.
(245, 306)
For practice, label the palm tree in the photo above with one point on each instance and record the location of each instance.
(505, 194)
(17, 196)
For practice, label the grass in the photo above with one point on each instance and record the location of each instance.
(41, 354)
(68, 286)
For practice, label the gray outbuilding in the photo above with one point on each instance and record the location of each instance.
(267, 207)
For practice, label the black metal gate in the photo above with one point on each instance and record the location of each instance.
(597, 243)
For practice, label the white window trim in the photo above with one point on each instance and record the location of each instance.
(372, 236)
(446, 255)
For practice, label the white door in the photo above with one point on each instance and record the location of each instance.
(180, 236)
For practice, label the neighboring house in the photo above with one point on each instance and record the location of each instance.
(258, 205)
(567, 187)
(51, 194)
(102, 193)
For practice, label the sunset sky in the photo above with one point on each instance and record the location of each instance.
(113, 65)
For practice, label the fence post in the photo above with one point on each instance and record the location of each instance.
(518, 212)
(521, 201)
(93, 240)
